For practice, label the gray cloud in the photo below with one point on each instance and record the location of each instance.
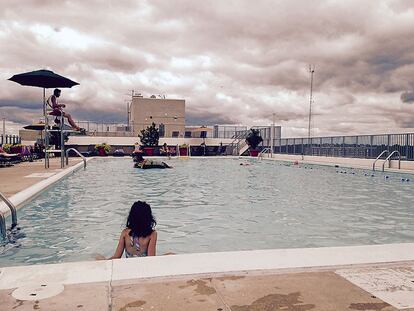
(233, 61)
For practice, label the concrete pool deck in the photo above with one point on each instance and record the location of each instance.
(336, 278)
(14, 179)
(377, 277)
(24, 181)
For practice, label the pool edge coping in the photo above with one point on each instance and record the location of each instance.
(343, 165)
(269, 261)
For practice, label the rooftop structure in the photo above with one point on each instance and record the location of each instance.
(167, 114)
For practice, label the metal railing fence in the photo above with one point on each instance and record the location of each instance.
(361, 146)
(10, 139)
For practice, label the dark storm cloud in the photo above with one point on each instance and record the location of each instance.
(233, 61)
(207, 118)
(18, 104)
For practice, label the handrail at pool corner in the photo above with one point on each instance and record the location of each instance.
(261, 153)
(3, 230)
(389, 160)
(78, 153)
(12, 208)
(377, 158)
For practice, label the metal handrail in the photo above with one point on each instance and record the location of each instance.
(389, 160)
(3, 230)
(12, 208)
(240, 145)
(78, 153)
(261, 153)
(380, 155)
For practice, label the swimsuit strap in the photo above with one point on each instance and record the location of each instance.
(135, 243)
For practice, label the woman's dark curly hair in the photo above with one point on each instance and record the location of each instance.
(140, 220)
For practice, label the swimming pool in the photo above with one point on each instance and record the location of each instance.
(209, 205)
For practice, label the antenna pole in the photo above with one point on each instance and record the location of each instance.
(129, 108)
(311, 71)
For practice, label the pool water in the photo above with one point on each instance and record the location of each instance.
(210, 205)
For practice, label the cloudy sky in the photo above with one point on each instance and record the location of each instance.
(234, 62)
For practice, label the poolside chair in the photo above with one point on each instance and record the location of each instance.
(26, 155)
(5, 161)
(9, 160)
(173, 150)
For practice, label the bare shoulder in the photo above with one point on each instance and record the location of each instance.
(125, 232)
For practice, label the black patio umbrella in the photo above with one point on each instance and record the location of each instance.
(43, 78)
(35, 127)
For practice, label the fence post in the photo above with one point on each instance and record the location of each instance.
(388, 142)
(320, 146)
(303, 150)
(371, 146)
(406, 147)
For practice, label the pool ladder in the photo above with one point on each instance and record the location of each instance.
(388, 158)
(78, 153)
(3, 229)
(261, 153)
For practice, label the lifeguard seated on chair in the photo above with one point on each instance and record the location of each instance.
(57, 110)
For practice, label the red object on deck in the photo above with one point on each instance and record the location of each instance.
(149, 151)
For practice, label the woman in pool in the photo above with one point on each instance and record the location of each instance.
(138, 239)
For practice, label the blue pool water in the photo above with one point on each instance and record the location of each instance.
(209, 205)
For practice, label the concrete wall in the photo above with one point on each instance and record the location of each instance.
(170, 112)
(29, 135)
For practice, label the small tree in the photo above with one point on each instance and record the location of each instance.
(253, 139)
(149, 136)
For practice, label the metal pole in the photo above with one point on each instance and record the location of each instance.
(4, 127)
(272, 135)
(311, 71)
(46, 145)
(62, 143)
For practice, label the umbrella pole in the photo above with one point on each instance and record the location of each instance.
(46, 144)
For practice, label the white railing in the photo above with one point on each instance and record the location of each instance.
(377, 158)
(78, 153)
(261, 153)
(389, 160)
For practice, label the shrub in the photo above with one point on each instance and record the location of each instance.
(253, 139)
(104, 146)
(150, 136)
